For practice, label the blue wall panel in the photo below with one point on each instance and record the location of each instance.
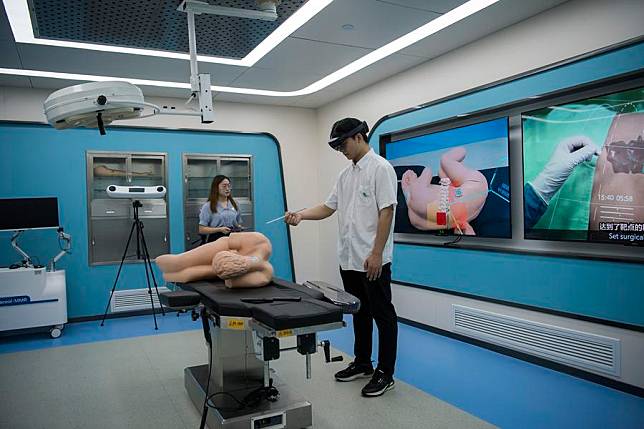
(37, 160)
(607, 290)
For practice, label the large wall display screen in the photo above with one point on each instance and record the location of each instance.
(453, 181)
(584, 170)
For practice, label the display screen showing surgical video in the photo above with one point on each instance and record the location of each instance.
(454, 182)
(584, 170)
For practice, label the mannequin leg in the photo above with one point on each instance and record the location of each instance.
(452, 167)
(201, 255)
(261, 277)
(199, 272)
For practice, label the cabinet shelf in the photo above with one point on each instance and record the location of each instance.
(110, 220)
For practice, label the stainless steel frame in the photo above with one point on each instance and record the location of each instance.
(238, 367)
(513, 111)
(190, 205)
(121, 210)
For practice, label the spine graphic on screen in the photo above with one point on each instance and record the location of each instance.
(450, 205)
(443, 207)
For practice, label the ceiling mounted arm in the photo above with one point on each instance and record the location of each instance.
(267, 9)
(200, 83)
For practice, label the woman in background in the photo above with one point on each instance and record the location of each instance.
(220, 215)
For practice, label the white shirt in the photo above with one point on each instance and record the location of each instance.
(360, 192)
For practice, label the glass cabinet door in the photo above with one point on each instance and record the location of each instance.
(110, 219)
(199, 170)
(106, 170)
(199, 173)
(239, 173)
(147, 171)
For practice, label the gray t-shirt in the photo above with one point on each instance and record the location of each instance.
(224, 216)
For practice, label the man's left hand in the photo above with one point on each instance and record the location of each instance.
(373, 265)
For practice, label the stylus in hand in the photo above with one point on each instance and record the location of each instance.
(282, 217)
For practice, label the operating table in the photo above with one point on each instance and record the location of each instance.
(243, 328)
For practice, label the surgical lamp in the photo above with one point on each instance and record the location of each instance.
(96, 104)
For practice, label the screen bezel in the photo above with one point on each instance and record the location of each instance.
(429, 129)
(513, 110)
(571, 99)
(39, 227)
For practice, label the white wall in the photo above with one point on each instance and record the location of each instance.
(571, 29)
(293, 127)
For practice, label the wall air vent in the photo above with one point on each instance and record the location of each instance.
(578, 349)
(135, 299)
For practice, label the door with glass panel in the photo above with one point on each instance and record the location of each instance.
(198, 172)
(110, 220)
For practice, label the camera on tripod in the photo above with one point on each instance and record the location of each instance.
(137, 193)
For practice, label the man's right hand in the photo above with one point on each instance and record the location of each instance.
(224, 230)
(293, 218)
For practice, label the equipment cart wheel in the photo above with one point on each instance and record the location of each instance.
(56, 331)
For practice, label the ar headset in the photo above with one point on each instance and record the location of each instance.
(337, 142)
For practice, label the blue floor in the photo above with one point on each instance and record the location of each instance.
(87, 332)
(504, 391)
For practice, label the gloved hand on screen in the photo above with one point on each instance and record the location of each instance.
(568, 154)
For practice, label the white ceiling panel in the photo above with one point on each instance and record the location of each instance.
(487, 21)
(307, 56)
(19, 81)
(68, 60)
(279, 80)
(374, 73)
(8, 55)
(53, 84)
(439, 6)
(319, 48)
(5, 28)
(377, 24)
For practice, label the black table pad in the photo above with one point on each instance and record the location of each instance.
(312, 309)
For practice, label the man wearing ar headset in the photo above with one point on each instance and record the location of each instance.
(364, 196)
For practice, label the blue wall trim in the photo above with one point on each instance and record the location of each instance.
(38, 160)
(605, 290)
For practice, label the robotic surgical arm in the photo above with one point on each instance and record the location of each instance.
(64, 248)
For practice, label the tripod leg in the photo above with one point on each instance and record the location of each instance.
(139, 230)
(146, 257)
(118, 273)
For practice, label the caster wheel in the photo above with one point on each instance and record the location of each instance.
(55, 332)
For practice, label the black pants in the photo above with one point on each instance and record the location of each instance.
(375, 299)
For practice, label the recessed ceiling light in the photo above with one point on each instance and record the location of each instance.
(466, 9)
(348, 27)
(20, 21)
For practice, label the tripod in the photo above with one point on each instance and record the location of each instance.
(141, 250)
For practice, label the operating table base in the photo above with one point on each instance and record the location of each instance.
(289, 411)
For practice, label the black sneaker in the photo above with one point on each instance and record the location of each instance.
(353, 371)
(378, 385)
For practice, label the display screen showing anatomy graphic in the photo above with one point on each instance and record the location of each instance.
(584, 170)
(454, 181)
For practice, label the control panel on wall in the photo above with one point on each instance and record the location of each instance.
(110, 215)
(199, 170)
